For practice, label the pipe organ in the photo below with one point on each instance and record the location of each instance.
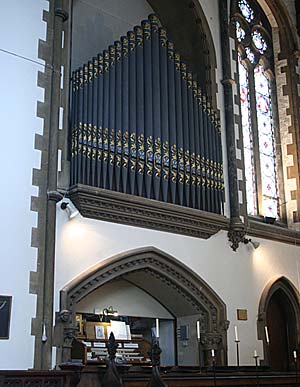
(142, 126)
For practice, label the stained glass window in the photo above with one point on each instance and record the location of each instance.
(247, 139)
(266, 143)
(240, 32)
(250, 55)
(256, 111)
(259, 41)
(246, 10)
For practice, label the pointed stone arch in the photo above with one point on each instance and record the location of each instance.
(291, 295)
(171, 282)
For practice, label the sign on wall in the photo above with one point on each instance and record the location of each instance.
(5, 309)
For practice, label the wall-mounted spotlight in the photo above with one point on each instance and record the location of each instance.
(255, 244)
(70, 209)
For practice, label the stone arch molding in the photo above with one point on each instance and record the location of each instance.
(276, 283)
(157, 269)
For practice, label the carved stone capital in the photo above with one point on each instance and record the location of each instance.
(64, 316)
(228, 82)
(211, 340)
(261, 317)
(54, 196)
(61, 13)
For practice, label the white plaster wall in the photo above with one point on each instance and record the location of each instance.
(124, 297)
(21, 26)
(238, 278)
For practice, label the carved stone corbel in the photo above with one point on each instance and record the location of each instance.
(225, 325)
(236, 233)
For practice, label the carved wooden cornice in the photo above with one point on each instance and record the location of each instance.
(122, 208)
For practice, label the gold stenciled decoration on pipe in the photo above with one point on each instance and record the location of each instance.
(131, 41)
(95, 65)
(141, 154)
(119, 148)
(100, 64)
(165, 160)
(105, 61)
(100, 141)
(139, 35)
(118, 48)
(157, 157)
(146, 26)
(91, 71)
(163, 37)
(133, 151)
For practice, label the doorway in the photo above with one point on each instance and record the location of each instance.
(279, 311)
(281, 322)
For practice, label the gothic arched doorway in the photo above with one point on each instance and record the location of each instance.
(171, 283)
(279, 312)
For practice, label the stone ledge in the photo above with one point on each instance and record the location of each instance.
(97, 203)
(273, 232)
